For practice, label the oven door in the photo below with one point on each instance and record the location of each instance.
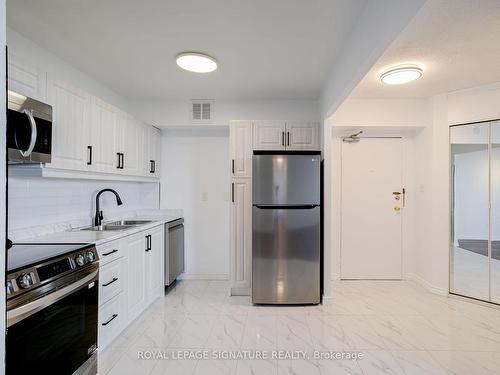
(57, 333)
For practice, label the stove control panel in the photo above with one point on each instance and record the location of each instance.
(31, 277)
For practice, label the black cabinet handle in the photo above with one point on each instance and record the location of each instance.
(232, 192)
(282, 138)
(111, 282)
(89, 150)
(148, 242)
(123, 159)
(154, 166)
(288, 138)
(118, 166)
(110, 320)
(151, 163)
(232, 165)
(111, 252)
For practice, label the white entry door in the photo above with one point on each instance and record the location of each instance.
(372, 205)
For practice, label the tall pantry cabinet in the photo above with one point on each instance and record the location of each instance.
(240, 134)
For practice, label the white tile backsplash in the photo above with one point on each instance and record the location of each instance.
(42, 206)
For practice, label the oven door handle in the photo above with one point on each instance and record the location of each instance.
(21, 312)
(33, 134)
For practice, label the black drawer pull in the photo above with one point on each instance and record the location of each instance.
(111, 282)
(109, 253)
(110, 320)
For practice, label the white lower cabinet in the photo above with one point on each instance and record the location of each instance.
(130, 279)
(112, 317)
(154, 265)
(241, 237)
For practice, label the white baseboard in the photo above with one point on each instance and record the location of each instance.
(204, 276)
(424, 283)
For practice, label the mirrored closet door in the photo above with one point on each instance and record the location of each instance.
(475, 211)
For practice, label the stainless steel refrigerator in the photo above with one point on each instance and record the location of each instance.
(286, 224)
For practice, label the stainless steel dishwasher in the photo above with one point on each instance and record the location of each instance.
(174, 250)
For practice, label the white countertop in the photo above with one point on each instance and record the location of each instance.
(99, 238)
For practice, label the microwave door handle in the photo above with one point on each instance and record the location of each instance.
(21, 312)
(33, 134)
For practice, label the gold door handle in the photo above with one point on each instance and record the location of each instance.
(397, 208)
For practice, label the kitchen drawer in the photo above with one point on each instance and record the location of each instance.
(110, 280)
(110, 251)
(110, 320)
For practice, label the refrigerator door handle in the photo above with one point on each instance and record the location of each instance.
(286, 206)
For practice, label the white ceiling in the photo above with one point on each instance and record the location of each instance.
(457, 42)
(281, 49)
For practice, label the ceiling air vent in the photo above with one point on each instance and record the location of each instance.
(202, 111)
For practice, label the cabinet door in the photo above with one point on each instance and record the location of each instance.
(240, 134)
(152, 153)
(302, 136)
(154, 264)
(241, 236)
(71, 115)
(104, 137)
(132, 145)
(26, 79)
(136, 268)
(269, 135)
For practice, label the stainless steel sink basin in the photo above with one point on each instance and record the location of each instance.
(118, 225)
(107, 227)
(130, 222)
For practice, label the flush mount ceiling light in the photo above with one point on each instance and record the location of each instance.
(401, 74)
(196, 62)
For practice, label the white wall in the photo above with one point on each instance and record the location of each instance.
(195, 178)
(2, 182)
(175, 113)
(408, 118)
(428, 259)
(39, 206)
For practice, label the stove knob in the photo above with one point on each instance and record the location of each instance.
(25, 280)
(80, 259)
(10, 287)
(90, 256)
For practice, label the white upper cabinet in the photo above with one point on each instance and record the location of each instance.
(302, 136)
(152, 152)
(281, 135)
(71, 117)
(269, 135)
(133, 146)
(90, 138)
(103, 137)
(240, 138)
(26, 79)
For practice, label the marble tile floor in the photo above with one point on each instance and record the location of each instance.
(398, 327)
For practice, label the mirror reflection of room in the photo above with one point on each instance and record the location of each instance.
(475, 250)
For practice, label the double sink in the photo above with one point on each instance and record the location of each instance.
(118, 225)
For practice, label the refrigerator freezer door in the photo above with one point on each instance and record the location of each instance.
(286, 179)
(286, 256)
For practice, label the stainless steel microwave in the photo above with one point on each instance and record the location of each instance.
(29, 130)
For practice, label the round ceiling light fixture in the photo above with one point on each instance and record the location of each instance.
(196, 62)
(401, 74)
